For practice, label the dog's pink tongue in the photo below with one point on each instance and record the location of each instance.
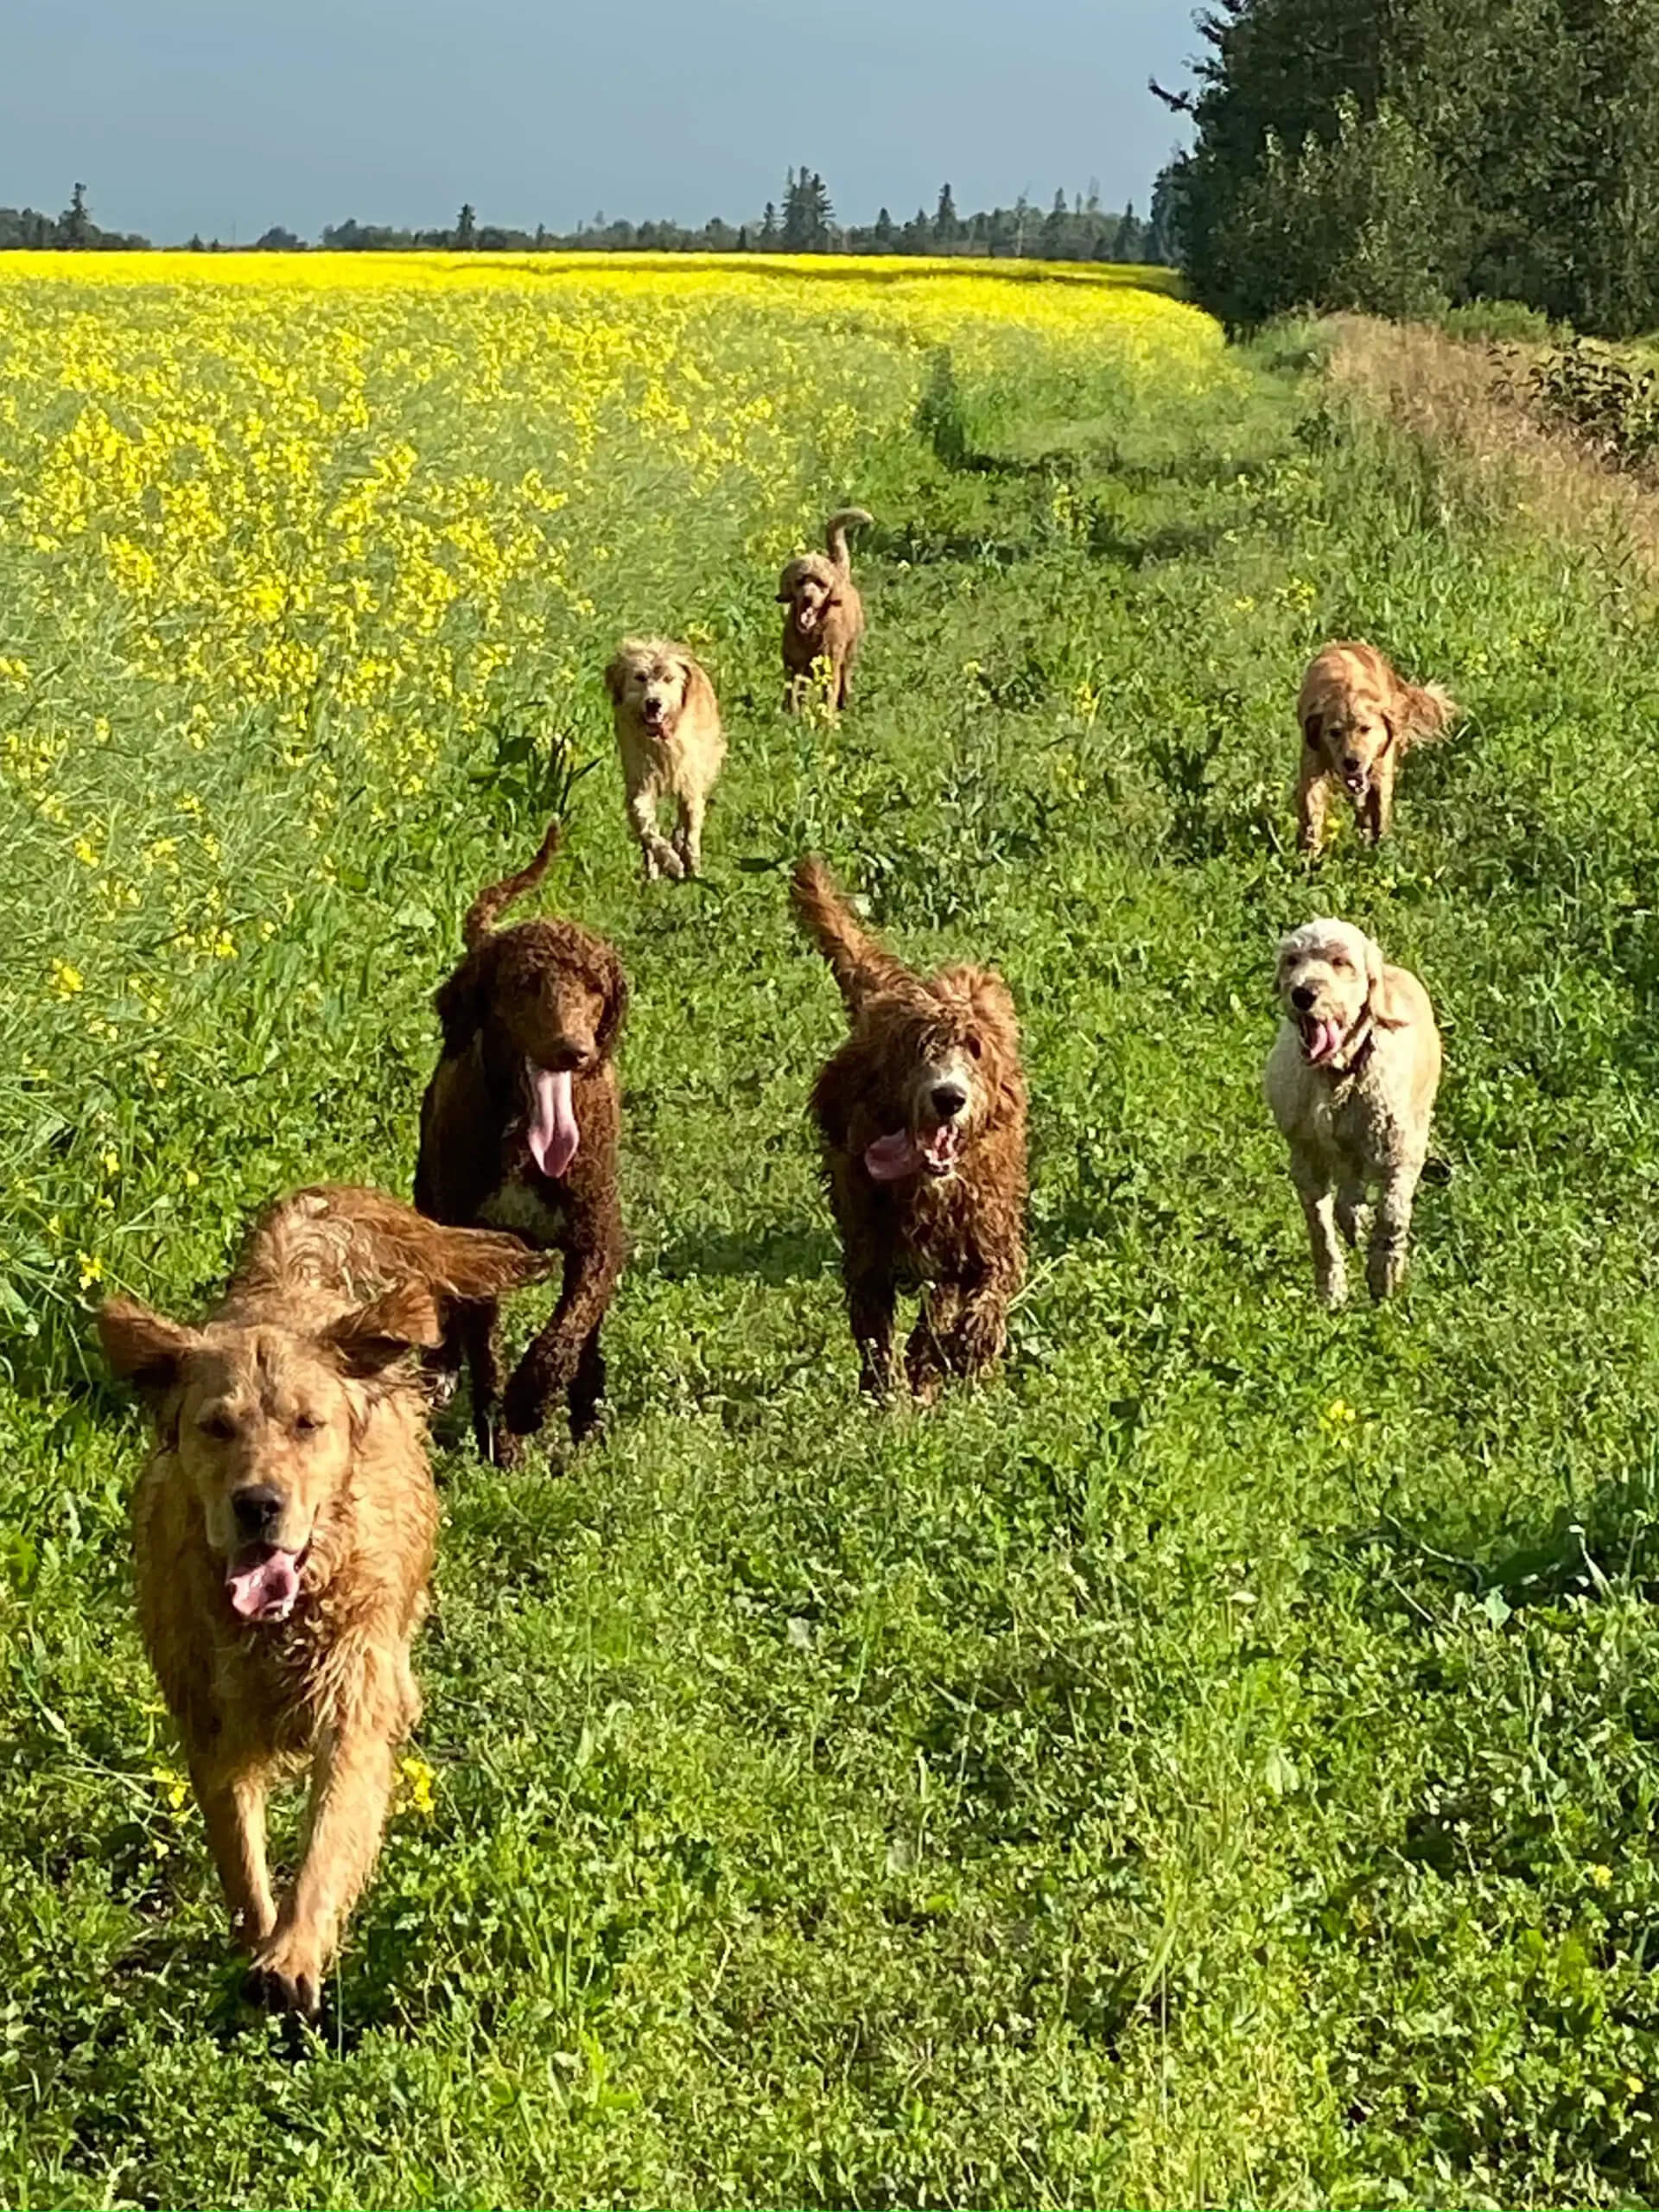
(265, 1585)
(1326, 1040)
(554, 1135)
(890, 1158)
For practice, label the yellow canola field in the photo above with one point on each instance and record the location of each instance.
(382, 476)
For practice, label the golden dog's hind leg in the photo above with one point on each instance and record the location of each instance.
(350, 1787)
(233, 1813)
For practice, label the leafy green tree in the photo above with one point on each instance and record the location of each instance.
(74, 224)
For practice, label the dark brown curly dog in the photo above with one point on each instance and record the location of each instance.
(518, 1130)
(922, 1113)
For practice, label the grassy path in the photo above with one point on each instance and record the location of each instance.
(1215, 1764)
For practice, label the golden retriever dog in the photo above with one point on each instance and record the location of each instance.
(1351, 1081)
(668, 733)
(824, 622)
(921, 1114)
(284, 1532)
(1358, 721)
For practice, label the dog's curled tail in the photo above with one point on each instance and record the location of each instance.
(858, 963)
(836, 530)
(1431, 710)
(495, 898)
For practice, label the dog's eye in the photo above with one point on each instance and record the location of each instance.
(219, 1427)
(1341, 960)
(975, 1049)
(305, 1424)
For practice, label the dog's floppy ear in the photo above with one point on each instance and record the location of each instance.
(614, 985)
(461, 1000)
(993, 1004)
(697, 685)
(367, 1342)
(143, 1348)
(616, 675)
(1313, 729)
(1381, 1002)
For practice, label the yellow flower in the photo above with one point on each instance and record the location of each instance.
(92, 1270)
(173, 1786)
(111, 1163)
(66, 980)
(1601, 1876)
(1340, 1415)
(415, 1792)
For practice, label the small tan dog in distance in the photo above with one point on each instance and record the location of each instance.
(1350, 1080)
(824, 622)
(1358, 721)
(668, 733)
(284, 1532)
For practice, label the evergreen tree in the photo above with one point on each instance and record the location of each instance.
(947, 226)
(769, 228)
(883, 231)
(74, 224)
(465, 231)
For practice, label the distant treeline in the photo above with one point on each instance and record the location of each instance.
(26, 230)
(1406, 156)
(1076, 228)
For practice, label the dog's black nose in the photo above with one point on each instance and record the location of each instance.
(257, 1508)
(949, 1099)
(1302, 997)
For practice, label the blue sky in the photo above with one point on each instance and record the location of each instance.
(183, 115)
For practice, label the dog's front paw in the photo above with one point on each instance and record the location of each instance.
(523, 1409)
(287, 1973)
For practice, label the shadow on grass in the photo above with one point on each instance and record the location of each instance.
(1609, 1542)
(774, 1256)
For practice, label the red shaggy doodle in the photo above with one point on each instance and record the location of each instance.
(518, 1130)
(922, 1115)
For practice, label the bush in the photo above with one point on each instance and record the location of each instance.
(1348, 223)
(1609, 401)
(1498, 322)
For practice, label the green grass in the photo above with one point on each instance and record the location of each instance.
(1131, 1782)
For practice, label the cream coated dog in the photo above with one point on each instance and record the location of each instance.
(669, 735)
(1352, 1080)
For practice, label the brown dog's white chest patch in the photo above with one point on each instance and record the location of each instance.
(518, 1206)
